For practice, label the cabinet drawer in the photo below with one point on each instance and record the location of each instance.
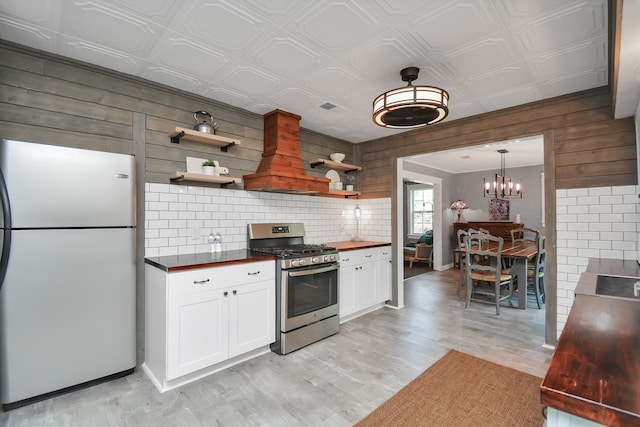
(360, 256)
(384, 252)
(206, 279)
(241, 274)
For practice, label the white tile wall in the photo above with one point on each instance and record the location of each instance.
(600, 222)
(179, 218)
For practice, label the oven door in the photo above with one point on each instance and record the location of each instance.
(308, 295)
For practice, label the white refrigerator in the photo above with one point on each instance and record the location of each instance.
(67, 269)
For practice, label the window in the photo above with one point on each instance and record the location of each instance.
(420, 198)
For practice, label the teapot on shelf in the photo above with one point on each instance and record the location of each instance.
(202, 125)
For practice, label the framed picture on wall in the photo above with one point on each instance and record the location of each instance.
(498, 209)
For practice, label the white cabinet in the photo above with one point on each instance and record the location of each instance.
(201, 320)
(365, 280)
(198, 331)
(383, 290)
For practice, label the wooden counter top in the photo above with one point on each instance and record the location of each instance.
(172, 263)
(347, 245)
(595, 370)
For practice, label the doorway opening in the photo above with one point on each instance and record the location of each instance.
(453, 185)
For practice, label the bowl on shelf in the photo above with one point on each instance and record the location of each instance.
(337, 157)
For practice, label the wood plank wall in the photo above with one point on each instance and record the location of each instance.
(591, 149)
(54, 100)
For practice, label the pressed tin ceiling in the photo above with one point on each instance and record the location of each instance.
(260, 55)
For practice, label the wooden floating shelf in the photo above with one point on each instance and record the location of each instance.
(205, 138)
(198, 177)
(335, 165)
(340, 193)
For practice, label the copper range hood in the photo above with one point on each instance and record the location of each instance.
(281, 168)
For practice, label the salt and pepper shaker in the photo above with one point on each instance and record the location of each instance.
(215, 240)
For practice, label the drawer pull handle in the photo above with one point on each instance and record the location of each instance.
(345, 259)
(254, 274)
(200, 282)
(225, 293)
(235, 292)
(368, 256)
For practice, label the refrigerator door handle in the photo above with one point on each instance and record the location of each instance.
(6, 235)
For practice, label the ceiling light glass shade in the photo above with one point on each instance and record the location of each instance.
(410, 106)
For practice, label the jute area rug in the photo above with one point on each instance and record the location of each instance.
(462, 390)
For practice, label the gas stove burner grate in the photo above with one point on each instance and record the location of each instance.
(296, 250)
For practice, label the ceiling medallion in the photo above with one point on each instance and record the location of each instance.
(410, 106)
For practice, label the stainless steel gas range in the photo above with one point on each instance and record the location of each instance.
(306, 285)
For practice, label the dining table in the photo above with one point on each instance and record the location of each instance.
(521, 252)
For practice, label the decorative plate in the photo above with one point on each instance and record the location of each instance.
(333, 176)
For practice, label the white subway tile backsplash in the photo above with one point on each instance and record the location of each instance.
(600, 226)
(612, 223)
(625, 189)
(600, 209)
(624, 208)
(576, 192)
(610, 200)
(600, 191)
(574, 209)
(229, 211)
(588, 218)
(589, 200)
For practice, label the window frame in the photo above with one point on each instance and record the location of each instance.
(409, 208)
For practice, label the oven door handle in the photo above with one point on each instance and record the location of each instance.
(313, 271)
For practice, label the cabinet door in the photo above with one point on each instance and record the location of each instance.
(366, 285)
(347, 293)
(383, 278)
(252, 316)
(198, 332)
(383, 284)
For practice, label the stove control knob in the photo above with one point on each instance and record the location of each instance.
(301, 262)
(315, 260)
(294, 262)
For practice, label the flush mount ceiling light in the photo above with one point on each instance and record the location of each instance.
(502, 187)
(410, 106)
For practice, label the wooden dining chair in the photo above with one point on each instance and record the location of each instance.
(524, 233)
(535, 272)
(485, 281)
(461, 255)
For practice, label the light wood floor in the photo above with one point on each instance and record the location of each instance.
(335, 382)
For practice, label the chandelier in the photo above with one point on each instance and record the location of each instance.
(410, 106)
(502, 187)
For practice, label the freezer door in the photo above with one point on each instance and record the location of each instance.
(67, 310)
(51, 186)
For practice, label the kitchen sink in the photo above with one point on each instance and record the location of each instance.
(618, 286)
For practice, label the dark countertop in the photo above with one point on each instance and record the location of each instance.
(595, 370)
(347, 245)
(171, 263)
